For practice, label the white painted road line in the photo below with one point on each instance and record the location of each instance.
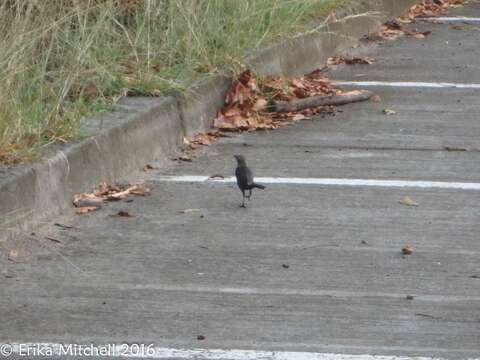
(409, 84)
(451, 19)
(151, 352)
(329, 182)
(292, 292)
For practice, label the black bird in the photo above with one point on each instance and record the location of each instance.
(245, 178)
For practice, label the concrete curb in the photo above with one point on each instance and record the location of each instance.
(312, 49)
(142, 130)
(124, 140)
(199, 104)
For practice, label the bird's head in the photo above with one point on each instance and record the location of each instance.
(240, 159)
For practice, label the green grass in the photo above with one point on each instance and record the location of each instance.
(66, 59)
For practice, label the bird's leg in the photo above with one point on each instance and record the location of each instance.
(243, 199)
(249, 194)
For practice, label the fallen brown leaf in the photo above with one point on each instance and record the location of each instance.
(85, 209)
(216, 177)
(457, 27)
(148, 167)
(123, 213)
(407, 250)
(87, 199)
(389, 112)
(185, 158)
(86, 202)
(408, 201)
(298, 117)
(139, 190)
(391, 30)
(13, 255)
(260, 104)
(117, 195)
(240, 89)
(201, 139)
(420, 35)
(337, 60)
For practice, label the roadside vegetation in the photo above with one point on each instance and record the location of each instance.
(66, 59)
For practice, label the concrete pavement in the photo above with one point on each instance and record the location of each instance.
(305, 268)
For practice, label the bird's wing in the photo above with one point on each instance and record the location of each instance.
(240, 176)
(244, 175)
(249, 176)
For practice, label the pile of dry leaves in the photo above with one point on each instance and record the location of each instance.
(248, 104)
(428, 8)
(86, 202)
(393, 29)
(273, 101)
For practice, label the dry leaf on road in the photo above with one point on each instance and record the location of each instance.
(13, 255)
(337, 60)
(87, 202)
(86, 209)
(123, 213)
(216, 177)
(298, 117)
(407, 250)
(87, 199)
(389, 112)
(148, 167)
(260, 104)
(408, 201)
(185, 157)
(201, 139)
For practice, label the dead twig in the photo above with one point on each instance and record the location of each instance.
(316, 101)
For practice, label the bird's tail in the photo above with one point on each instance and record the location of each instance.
(259, 186)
